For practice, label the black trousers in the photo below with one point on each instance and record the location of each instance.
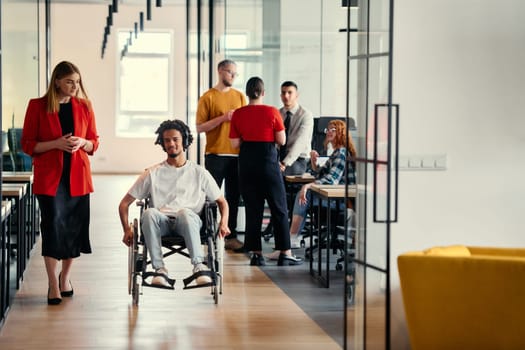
(225, 168)
(261, 179)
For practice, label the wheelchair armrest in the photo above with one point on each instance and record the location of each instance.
(143, 203)
(209, 205)
(209, 217)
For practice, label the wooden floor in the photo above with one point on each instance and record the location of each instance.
(253, 312)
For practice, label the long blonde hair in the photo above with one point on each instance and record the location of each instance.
(61, 70)
(341, 139)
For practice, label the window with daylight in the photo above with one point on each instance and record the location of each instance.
(144, 84)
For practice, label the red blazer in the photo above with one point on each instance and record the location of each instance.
(40, 126)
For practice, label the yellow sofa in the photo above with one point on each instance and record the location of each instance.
(460, 297)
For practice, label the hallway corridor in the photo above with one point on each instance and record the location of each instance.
(253, 312)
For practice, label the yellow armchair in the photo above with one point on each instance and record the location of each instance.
(460, 297)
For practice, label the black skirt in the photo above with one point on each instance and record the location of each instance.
(64, 223)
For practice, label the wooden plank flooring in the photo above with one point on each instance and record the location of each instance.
(253, 312)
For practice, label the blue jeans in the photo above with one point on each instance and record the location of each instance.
(185, 223)
(302, 210)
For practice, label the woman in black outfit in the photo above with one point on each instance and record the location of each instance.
(256, 128)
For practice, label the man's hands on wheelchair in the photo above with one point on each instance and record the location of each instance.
(224, 230)
(127, 239)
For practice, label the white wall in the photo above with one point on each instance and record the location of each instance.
(77, 33)
(459, 78)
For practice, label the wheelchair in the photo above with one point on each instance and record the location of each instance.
(174, 244)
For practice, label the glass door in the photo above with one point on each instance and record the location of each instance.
(198, 33)
(205, 27)
(369, 89)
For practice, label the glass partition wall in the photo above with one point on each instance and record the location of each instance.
(339, 54)
(205, 27)
(20, 64)
(369, 74)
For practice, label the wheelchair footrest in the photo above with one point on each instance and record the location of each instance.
(170, 281)
(189, 280)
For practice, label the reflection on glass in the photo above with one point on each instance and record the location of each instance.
(20, 63)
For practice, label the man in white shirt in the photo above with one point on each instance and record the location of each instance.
(177, 189)
(299, 125)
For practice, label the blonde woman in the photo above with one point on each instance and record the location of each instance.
(59, 133)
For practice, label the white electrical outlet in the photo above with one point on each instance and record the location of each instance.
(423, 162)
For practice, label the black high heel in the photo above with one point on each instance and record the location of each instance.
(68, 293)
(53, 301)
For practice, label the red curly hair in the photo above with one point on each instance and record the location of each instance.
(341, 138)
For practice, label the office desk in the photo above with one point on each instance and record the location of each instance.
(328, 194)
(5, 257)
(31, 210)
(18, 193)
(293, 184)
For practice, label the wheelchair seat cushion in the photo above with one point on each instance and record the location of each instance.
(173, 240)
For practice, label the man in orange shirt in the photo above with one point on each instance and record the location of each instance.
(214, 113)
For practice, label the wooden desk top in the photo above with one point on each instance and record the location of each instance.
(334, 191)
(305, 178)
(17, 176)
(6, 209)
(14, 190)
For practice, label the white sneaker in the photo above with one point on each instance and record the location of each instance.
(274, 255)
(203, 279)
(295, 242)
(159, 280)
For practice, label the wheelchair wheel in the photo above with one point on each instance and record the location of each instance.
(219, 246)
(131, 264)
(134, 248)
(215, 294)
(212, 264)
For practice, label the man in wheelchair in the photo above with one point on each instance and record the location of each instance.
(177, 189)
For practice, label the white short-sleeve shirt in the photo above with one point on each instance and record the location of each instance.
(171, 189)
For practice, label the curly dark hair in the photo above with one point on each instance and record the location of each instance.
(187, 137)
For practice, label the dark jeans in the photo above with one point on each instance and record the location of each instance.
(226, 168)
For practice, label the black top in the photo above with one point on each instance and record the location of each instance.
(65, 114)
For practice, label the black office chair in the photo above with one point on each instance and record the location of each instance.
(320, 124)
(8, 162)
(22, 161)
(319, 228)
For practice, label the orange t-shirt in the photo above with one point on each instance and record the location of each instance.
(213, 104)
